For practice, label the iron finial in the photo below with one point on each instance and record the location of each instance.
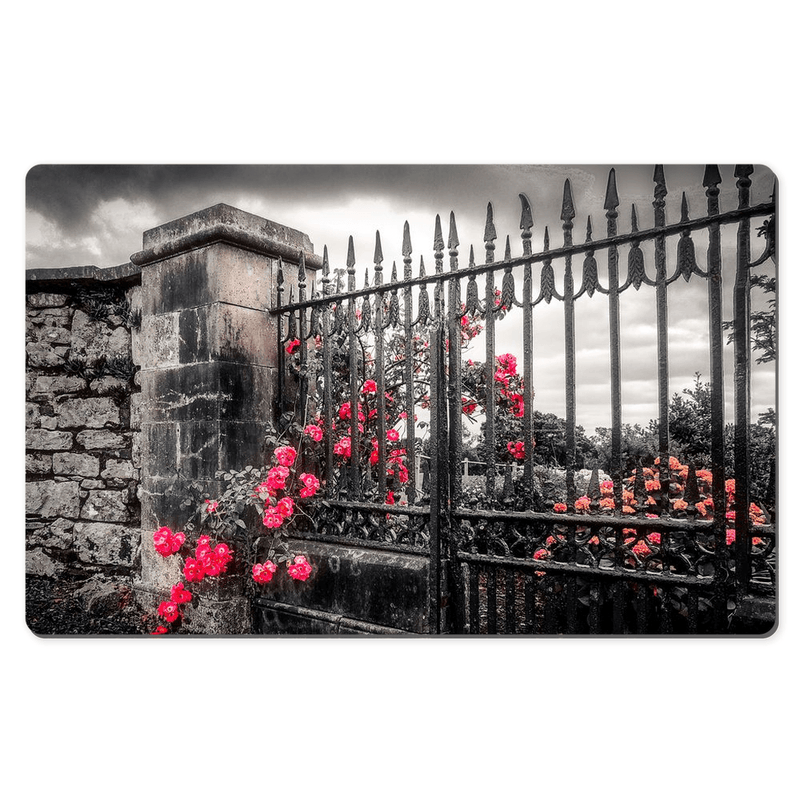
(406, 239)
(378, 258)
(438, 239)
(526, 220)
(567, 207)
(660, 182)
(711, 177)
(546, 245)
(507, 254)
(612, 199)
(471, 256)
(452, 238)
(684, 208)
(588, 229)
(634, 219)
(351, 255)
(489, 233)
(743, 170)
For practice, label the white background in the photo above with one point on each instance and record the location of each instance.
(369, 83)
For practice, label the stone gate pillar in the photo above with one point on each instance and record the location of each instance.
(208, 356)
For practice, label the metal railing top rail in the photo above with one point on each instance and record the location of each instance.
(634, 236)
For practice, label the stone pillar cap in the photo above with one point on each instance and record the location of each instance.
(224, 223)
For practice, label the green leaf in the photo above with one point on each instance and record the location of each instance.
(240, 523)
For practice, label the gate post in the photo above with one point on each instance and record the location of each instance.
(209, 357)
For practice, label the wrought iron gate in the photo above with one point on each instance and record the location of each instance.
(623, 557)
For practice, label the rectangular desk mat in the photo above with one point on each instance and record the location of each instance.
(426, 400)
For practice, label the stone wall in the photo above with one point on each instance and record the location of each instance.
(82, 444)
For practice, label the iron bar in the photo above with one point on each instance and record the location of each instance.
(662, 339)
(327, 370)
(355, 471)
(565, 568)
(439, 438)
(567, 215)
(489, 366)
(741, 385)
(712, 180)
(525, 224)
(380, 374)
(408, 314)
(610, 205)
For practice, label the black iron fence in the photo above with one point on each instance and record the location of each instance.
(668, 548)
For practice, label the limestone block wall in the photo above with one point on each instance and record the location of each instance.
(82, 456)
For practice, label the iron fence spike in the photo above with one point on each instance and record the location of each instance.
(743, 170)
(351, 254)
(438, 239)
(634, 220)
(471, 256)
(684, 208)
(612, 199)
(489, 232)
(711, 177)
(660, 182)
(567, 206)
(589, 229)
(452, 237)
(507, 254)
(526, 220)
(378, 258)
(406, 239)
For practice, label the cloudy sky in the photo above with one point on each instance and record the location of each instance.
(79, 215)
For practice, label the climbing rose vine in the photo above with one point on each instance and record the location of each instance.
(276, 493)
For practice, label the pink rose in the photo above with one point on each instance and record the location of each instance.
(285, 455)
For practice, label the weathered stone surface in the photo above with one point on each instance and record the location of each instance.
(52, 498)
(38, 463)
(119, 343)
(46, 300)
(76, 464)
(91, 483)
(37, 562)
(106, 506)
(118, 469)
(136, 449)
(158, 342)
(387, 589)
(100, 440)
(92, 412)
(55, 335)
(136, 410)
(49, 423)
(36, 321)
(47, 440)
(225, 332)
(31, 414)
(107, 384)
(102, 597)
(42, 354)
(103, 544)
(56, 534)
(58, 384)
(92, 339)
